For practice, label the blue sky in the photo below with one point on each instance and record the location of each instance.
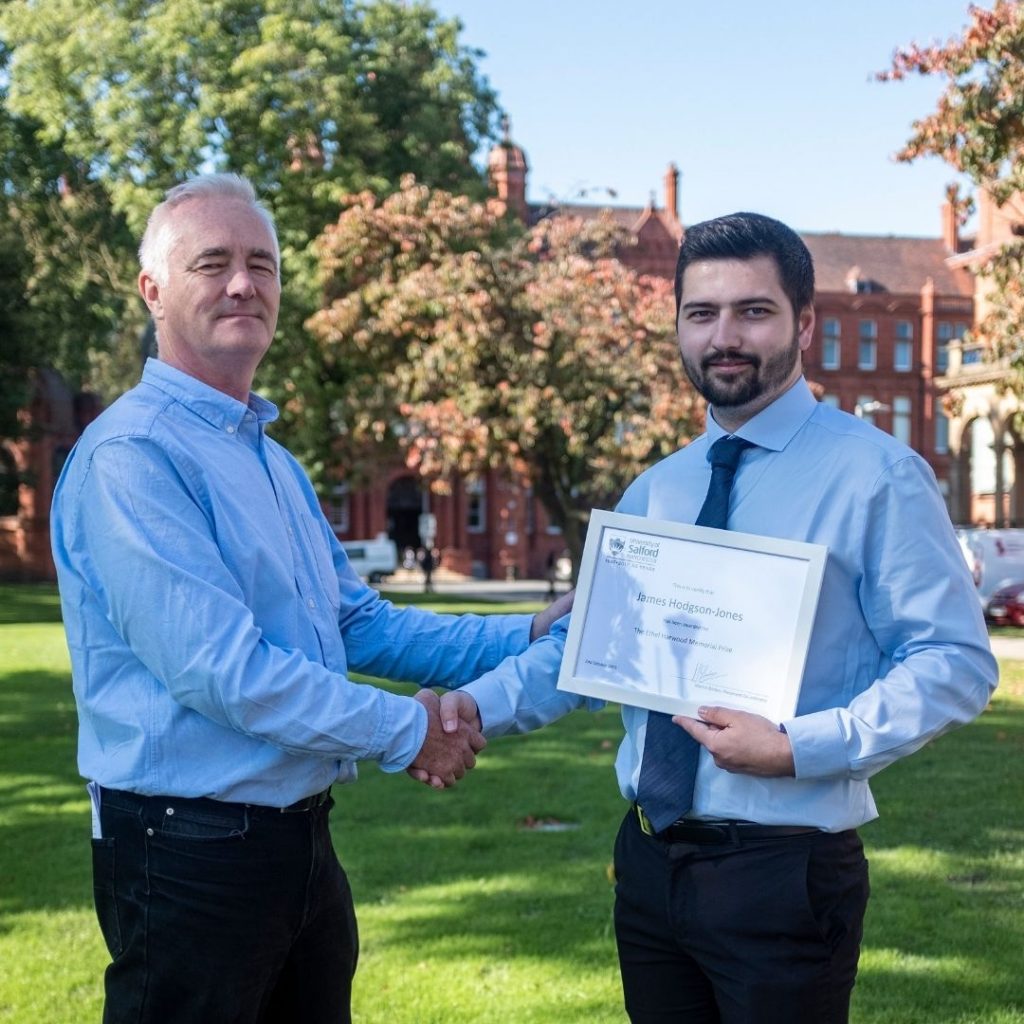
(768, 106)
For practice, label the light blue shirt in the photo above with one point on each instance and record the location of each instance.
(898, 655)
(212, 617)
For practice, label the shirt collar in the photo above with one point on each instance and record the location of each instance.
(218, 409)
(775, 426)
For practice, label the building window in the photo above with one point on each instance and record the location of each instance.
(943, 336)
(830, 400)
(901, 419)
(831, 332)
(476, 505)
(941, 431)
(867, 349)
(903, 349)
(338, 508)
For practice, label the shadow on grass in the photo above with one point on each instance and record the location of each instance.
(44, 817)
(29, 602)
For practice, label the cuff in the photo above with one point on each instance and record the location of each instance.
(819, 748)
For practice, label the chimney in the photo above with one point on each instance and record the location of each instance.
(672, 190)
(950, 224)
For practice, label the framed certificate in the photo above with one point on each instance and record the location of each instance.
(671, 617)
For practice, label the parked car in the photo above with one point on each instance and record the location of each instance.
(373, 559)
(1006, 605)
(995, 558)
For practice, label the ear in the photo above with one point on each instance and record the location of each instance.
(805, 327)
(149, 289)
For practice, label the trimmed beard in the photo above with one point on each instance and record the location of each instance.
(767, 377)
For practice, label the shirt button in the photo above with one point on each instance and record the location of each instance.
(230, 430)
(149, 831)
(312, 603)
(170, 810)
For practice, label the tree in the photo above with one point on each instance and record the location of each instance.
(60, 275)
(474, 344)
(978, 128)
(310, 99)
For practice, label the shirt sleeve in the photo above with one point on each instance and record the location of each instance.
(918, 601)
(146, 545)
(419, 646)
(521, 694)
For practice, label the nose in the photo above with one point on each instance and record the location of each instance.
(240, 285)
(724, 335)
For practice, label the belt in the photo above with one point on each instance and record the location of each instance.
(307, 803)
(701, 832)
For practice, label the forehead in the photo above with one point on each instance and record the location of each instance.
(213, 223)
(729, 280)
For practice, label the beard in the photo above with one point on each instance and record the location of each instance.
(764, 377)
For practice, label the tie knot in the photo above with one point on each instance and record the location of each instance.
(726, 451)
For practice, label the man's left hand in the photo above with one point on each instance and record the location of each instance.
(741, 742)
(542, 620)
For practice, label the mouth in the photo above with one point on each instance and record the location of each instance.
(728, 364)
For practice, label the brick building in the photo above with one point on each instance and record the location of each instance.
(891, 314)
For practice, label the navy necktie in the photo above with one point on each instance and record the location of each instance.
(669, 767)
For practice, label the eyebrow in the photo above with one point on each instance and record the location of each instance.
(219, 250)
(753, 300)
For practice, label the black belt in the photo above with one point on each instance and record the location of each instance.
(719, 831)
(307, 803)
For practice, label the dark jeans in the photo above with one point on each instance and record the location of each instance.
(756, 932)
(218, 913)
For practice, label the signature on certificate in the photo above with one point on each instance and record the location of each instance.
(704, 674)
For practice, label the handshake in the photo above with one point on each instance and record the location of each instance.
(454, 735)
(453, 738)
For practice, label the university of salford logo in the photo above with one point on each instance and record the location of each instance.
(616, 545)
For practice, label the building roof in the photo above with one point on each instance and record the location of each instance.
(897, 264)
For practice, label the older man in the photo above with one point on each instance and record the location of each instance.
(212, 619)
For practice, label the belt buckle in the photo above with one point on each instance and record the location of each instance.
(645, 824)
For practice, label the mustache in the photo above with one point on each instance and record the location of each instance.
(714, 358)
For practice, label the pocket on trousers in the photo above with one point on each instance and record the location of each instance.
(104, 893)
(200, 825)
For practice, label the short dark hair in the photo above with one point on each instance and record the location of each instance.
(743, 236)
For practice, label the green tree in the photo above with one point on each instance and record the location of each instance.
(978, 128)
(472, 343)
(310, 99)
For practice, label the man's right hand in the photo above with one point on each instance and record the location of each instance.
(450, 747)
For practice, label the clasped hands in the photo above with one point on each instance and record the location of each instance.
(453, 739)
(454, 730)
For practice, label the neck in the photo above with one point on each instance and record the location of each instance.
(231, 381)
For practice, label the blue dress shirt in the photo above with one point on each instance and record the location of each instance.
(898, 654)
(212, 616)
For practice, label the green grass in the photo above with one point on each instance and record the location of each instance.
(465, 915)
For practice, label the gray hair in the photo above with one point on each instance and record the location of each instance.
(161, 232)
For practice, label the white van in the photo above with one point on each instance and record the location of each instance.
(372, 559)
(995, 558)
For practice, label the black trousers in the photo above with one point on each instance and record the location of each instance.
(217, 913)
(755, 932)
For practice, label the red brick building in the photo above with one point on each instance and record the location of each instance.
(890, 313)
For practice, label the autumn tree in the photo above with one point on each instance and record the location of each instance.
(474, 343)
(977, 127)
(310, 99)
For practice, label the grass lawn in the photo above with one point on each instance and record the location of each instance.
(467, 915)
